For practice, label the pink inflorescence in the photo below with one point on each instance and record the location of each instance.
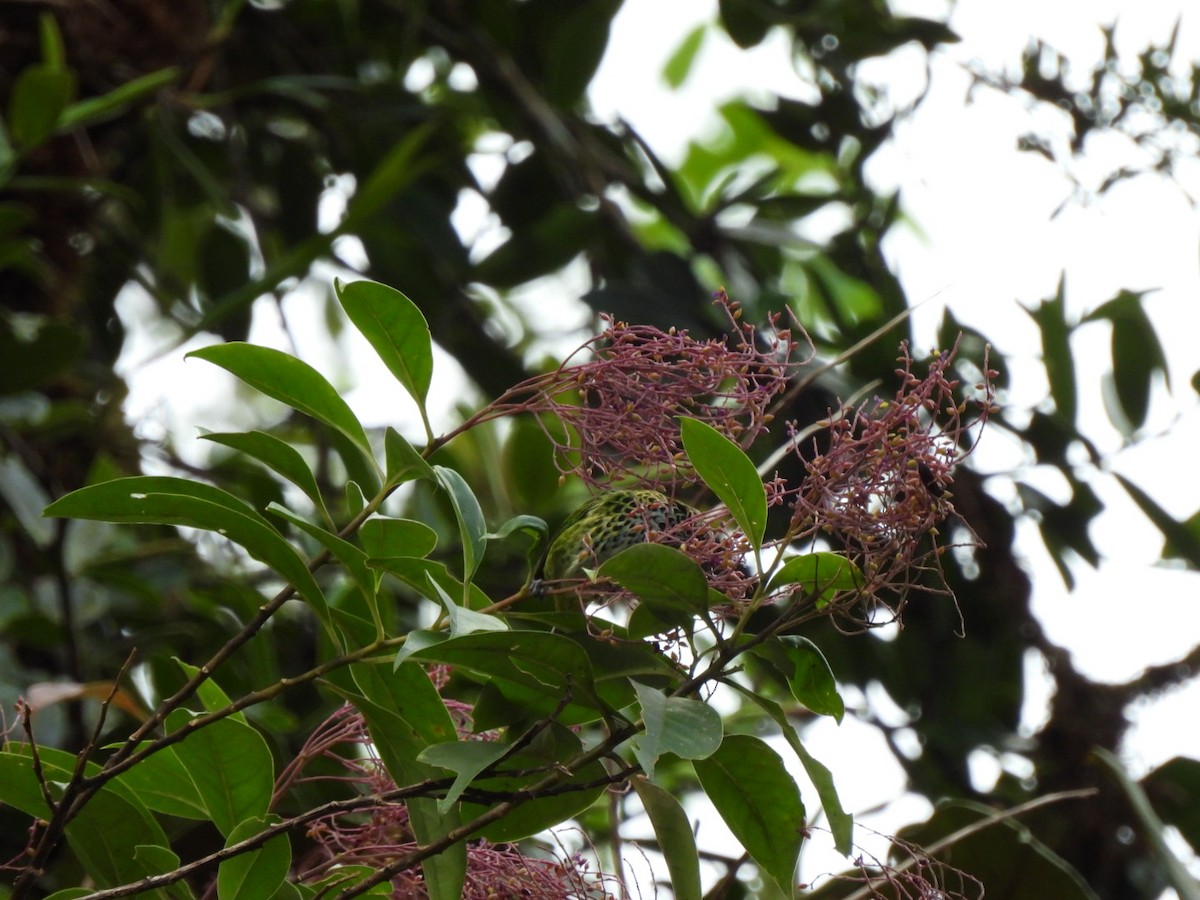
(621, 408)
(882, 487)
(378, 832)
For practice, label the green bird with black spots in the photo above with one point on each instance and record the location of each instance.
(607, 524)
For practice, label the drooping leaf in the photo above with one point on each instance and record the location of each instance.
(279, 456)
(804, 666)
(290, 381)
(752, 790)
(675, 840)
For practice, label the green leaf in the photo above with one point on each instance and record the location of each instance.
(277, 455)
(670, 585)
(399, 737)
(342, 550)
(290, 381)
(404, 463)
(1056, 353)
(1182, 541)
(463, 620)
(807, 671)
(675, 840)
(115, 102)
(383, 536)
(550, 665)
(53, 53)
(417, 573)
(162, 782)
(822, 576)
(730, 474)
(465, 758)
(1174, 789)
(471, 526)
(231, 766)
(396, 328)
(752, 790)
(105, 835)
(547, 752)
(841, 823)
(679, 64)
(688, 728)
(257, 873)
(38, 97)
(152, 499)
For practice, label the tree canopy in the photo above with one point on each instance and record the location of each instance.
(270, 670)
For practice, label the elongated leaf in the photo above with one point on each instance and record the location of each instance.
(399, 737)
(162, 782)
(675, 840)
(258, 873)
(416, 573)
(404, 463)
(116, 101)
(807, 671)
(38, 97)
(175, 501)
(396, 328)
(471, 525)
(231, 766)
(752, 790)
(841, 824)
(288, 380)
(277, 455)
(343, 551)
(730, 474)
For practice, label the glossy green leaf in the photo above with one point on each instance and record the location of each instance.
(688, 728)
(466, 759)
(730, 474)
(675, 841)
(396, 329)
(547, 752)
(670, 586)
(383, 536)
(841, 823)
(471, 526)
(162, 500)
(416, 573)
(350, 556)
(277, 455)
(464, 620)
(231, 766)
(752, 790)
(162, 782)
(821, 575)
(258, 873)
(404, 715)
(551, 665)
(290, 381)
(404, 463)
(807, 671)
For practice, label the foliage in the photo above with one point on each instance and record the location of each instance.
(170, 169)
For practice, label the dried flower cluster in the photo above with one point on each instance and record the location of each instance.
(620, 408)
(379, 832)
(882, 487)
